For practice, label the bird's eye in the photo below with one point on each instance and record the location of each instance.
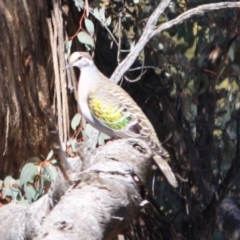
(80, 57)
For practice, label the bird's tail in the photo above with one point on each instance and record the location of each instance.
(167, 171)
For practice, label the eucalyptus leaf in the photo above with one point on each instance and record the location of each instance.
(27, 174)
(9, 181)
(12, 192)
(50, 155)
(88, 130)
(108, 21)
(7, 192)
(89, 26)
(79, 4)
(102, 138)
(17, 183)
(30, 193)
(172, 7)
(102, 13)
(44, 178)
(51, 172)
(37, 196)
(96, 13)
(76, 121)
(16, 193)
(85, 38)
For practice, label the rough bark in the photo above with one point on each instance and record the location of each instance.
(103, 203)
(25, 82)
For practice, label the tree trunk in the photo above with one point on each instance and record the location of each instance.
(26, 82)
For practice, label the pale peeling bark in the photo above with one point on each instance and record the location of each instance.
(103, 203)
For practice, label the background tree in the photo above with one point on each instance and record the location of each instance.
(183, 75)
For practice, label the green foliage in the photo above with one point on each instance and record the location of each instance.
(37, 175)
(35, 179)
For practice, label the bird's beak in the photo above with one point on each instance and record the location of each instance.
(68, 65)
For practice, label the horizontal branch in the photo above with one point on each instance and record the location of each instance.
(108, 196)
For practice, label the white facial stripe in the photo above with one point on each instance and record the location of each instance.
(89, 62)
(84, 62)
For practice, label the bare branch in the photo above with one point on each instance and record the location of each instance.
(151, 30)
(193, 12)
(146, 36)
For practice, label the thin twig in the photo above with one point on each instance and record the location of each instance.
(119, 38)
(7, 130)
(136, 79)
(144, 67)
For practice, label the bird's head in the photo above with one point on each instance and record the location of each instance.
(80, 60)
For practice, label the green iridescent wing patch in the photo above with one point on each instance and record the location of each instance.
(113, 115)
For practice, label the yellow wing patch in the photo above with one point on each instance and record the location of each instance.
(110, 114)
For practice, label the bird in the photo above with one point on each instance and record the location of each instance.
(110, 109)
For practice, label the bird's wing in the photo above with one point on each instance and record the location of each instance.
(112, 107)
(113, 113)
